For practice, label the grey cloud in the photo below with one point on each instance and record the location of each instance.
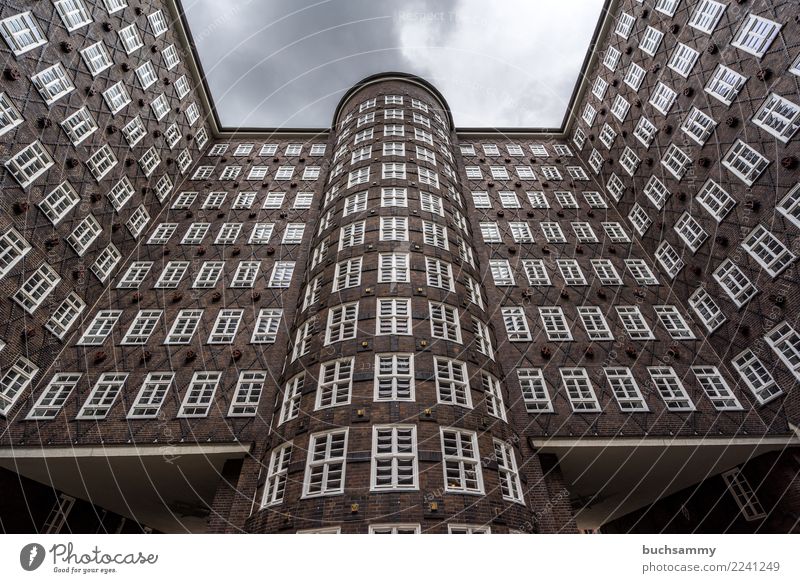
(286, 63)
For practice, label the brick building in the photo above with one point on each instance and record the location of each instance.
(397, 325)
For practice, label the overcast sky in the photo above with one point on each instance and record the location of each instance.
(286, 63)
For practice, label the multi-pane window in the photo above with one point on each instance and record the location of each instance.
(265, 329)
(785, 341)
(611, 58)
(676, 161)
(439, 274)
(151, 395)
(96, 333)
(431, 203)
(394, 229)
(325, 463)
(555, 323)
(461, 461)
(273, 200)
(745, 162)
(245, 274)
(571, 271)
(715, 200)
(789, 206)
(36, 288)
(352, 235)
(73, 13)
(342, 323)
(651, 40)
(502, 274)
(452, 382)
(116, 97)
(394, 377)
(434, 234)
(725, 84)
(629, 160)
(756, 376)
(87, 231)
(595, 323)
(624, 26)
(104, 393)
(293, 235)
(209, 274)
(96, 58)
(736, 284)
(172, 274)
(707, 309)
(277, 477)
(225, 327)
(634, 323)
(778, 116)
(347, 274)
(394, 458)
(52, 83)
(516, 324)
(616, 232)
(130, 38)
(101, 162)
(281, 275)
(146, 74)
(9, 116)
(490, 233)
(394, 197)
(21, 33)
(445, 323)
(493, 396)
(200, 394)
(184, 327)
(673, 322)
(510, 485)
(536, 272)
(645, 131)
(552, 232)
(625, 388)
(683, 59)
(393, 268)
(671, 389)
(595, 200)
(584, 232)
(135, 274)
(79, 126)
(756, 35)
(335, 383)
(768, 250)
(580, 391)
(716, 388)
(521, 232)
(534, 390)
(698, 126)
(54, 396)
(669, 259)
(690, 231)
(706, 16)
(65, 315)
(29, 163)
(641, 272)
(663, 97)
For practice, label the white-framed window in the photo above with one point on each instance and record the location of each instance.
(550, 172)
(493, 394)
(657, 193)
(273, 200)
(745, 162)
(461, 461)
(662, 98)
(342, 323)
(690, 231)
(184, 327)
(626, 389)
(715, 200)
(599, 88)
(96, 58)
(439, 274)
(335, 383)
(394, 228)
(538, 199)
(607, 137)
(756, 35)
(103, 396)
(195, 233)
(669, 259)
(73, 13)
(394, 197)
(53, 83)
(707, 15)
(785, 341)
(788, 207)
(65, 315)
(135, 275)
(580, 391)
(645, 131)
(584, 232)
(676, 161)
(200, 394)
(101, 162)
(606, 272)
(245, 274)
(641, 272)
(435, 235)
(521, 232)
(673, 322)
(96, 333)
(142, 327)
(79, 126)
(671, 389)
(431, 203)
(113, 6)
(725, 84)
(21, 33)
(106, 261)
(624, 25)
(391, 528)
(82, 236)
(393, 268)
(158, 23)
(555, 323)
(611, 58)
(452, 382)
(698, 126)
(151, 395)
(290, 406)
(634, 323)
(510, 485)
(130, 38)
(629, 160)
(615, 186)
(534, 390)
(490, 232)
(743, 493)
(735, 283)
(445, 323)
(616, 233)
(325, 463)
(394, 377)
(293, 235)
(552, 232)
(277, 476)
(683, 59)
(15, 381)
(768, 251)
(149, 161)
(706, 309)
(394, 458)
(171, 58)
(501, 271)
(54, 396)
(481, 200)
(716, 388)
(9, 116)
(756, 376)
(29, 163)
(595, 323)
(281, 275)
(265, 329)
(509, 199)
(571, 272)
(778, 116)
(651, 40)
(36, 288)
(536, 272)
(516, 324)
(347, 274)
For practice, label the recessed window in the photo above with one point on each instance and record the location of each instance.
(626, 389)
(571, 272)
(184, 327)
(756, 376)
(13, 247)
(96, 333)
(683, 59)
(580, 391)
(461, 461)
(674, 323)
(725, 84)
(394, 377)
(281, 275)
(54, 396)
(29, 163)
(502, 275)
(634, 323)
(65, 315)
(645, 131)
(735, 283)
(756, 35)
(245, 274)
(555, 324)
(778, 116)
(347, 274)
(73, 13)
(707, 15)
(716, 388)
(36, 288)
(611, 58)
(274, 487)
(662, 98)
(671, 389)
(101, 162)
(103, 396)
(325, 464)
(785, 341)
(690, 231)
(651, 40)
(641, 272)
(96, 58)
(394, 458)
(534, 390)
(21, 33)
(707, 309)
(200, 394)
(142, 327)
(151, 395)
(82, 236)
(768, 250)
(158, 23)
(106, 262)
(698, 126)
(52, 83)
(595, 323)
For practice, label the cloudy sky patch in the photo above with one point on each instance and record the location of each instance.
(286, 63)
